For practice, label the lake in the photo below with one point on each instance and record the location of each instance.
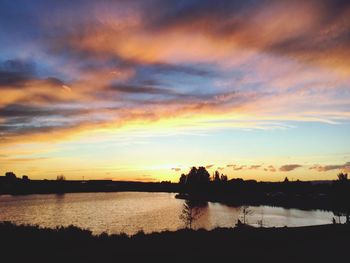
(130, 212)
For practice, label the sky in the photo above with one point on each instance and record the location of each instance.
(144, 89)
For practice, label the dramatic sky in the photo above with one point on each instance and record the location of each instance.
(144, 89)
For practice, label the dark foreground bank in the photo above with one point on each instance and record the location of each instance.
(306, 244)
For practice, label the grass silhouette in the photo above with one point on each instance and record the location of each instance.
(24, 243)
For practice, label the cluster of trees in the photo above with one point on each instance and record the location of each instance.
(199, 185)
(11, 177)
(193, 206)
(343, 177)
(219, 178)
(200, 175)
(60, 178)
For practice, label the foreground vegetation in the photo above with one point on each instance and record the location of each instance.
(327, 243)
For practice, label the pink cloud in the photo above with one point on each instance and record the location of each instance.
(289, 167)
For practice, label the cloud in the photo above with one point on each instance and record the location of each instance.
(320, 31)
(209, 166)
(325, 168)
(221, 168)
(15, 73)
(289, 167)
(317, 34)
(254, 167)
(139, 89)
(22, 110)
(176, 169)
(21, 119)
(23, 159)
(237, 167)
(250, 65)
(271, 168)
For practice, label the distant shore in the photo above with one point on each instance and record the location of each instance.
(20, 187)
(327, 243)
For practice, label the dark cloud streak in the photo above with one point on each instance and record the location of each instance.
(325, 168)
(289, 167)
(16, 72)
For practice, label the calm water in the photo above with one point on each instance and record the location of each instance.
(130, 212)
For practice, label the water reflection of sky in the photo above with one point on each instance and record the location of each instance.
(130, 212)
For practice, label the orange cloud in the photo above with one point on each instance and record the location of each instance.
(289, 167)
(324, 168)
(317, 36)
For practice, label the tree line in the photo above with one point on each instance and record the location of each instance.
(201, 175)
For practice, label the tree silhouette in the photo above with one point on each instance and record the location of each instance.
(10, 175)
(216, 176)
(61, 178)
(192, 177)
(343, 195)
(219, 178)
(223, 178)
(342, 177)
(203, 174)
(196, 176)
(191, 211)
(245, 212)
(183, 179)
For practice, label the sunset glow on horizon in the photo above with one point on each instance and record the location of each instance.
(144, 90)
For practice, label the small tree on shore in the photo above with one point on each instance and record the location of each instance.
(245, 212)
(343, 196)
(190, 213)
